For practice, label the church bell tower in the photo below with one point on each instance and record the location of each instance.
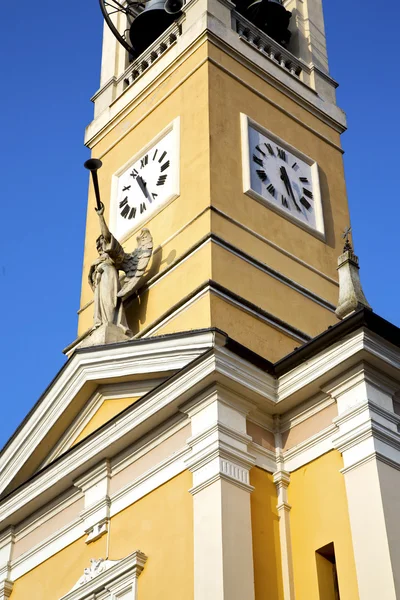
(225, 143)
(226, 426)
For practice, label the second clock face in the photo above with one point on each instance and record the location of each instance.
(284, 178)
(145, 185)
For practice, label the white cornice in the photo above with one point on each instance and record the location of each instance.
(310, 449)
(253, 391)
(167, 354)
(342, 355)
(235, 373)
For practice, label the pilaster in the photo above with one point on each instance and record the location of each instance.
(7, 539)
(220, 463)
(369, 441)
(96, 514)
(282, 481)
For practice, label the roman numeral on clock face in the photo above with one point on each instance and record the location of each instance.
(125, 211)
(134, 173)
(262, 175)
(163, 155)
(261, 151)
(257, 160)
(284, 201)
(144, 161)
(271, 190)
(270, 149)
(308, 193)
(161, 180)
(281, 154)
(123, 202)
(305, 203)
(165, 166)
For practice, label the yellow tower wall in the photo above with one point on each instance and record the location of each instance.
(213, 233)
(318, 517)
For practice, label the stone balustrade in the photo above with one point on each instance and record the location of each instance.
(267, 46)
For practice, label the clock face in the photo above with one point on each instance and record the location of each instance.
(145, 185)
(285, 179)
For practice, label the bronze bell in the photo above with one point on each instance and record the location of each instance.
(156, 17)
(268, 15)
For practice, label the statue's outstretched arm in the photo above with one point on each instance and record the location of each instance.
(103, 225)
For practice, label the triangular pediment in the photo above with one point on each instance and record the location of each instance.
(93, 387)
(107, 402)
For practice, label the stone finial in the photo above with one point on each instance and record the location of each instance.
(351, 295)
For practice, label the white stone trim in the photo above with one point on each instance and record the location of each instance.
(346, 350)
(6, 588)
(95, 486)
(119, 578)
(219, 442)
(149, 481)
(305, 411)
(309, 450)
(47, 548)
(282, 481)
(220, 463)
(7, 541)
(144, 484)
(218, 392)
(147, 443)
(168, 354)
(265, 459)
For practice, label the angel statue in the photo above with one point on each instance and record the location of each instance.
(109, 289)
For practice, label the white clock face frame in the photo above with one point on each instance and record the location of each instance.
(282, 177)
(146, 183)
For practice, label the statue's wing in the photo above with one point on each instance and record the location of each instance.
(135, 264)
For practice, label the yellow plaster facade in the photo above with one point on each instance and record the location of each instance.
(225, 473)
(319, 516)
(213, 232)
(171, 557)
(106, 411)
(266, 544)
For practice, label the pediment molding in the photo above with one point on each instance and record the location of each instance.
(215, 363)
(105, 392)
(107, 579)
(83, 373)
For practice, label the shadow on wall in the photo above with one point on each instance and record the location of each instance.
(137, 307)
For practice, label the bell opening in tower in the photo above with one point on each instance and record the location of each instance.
(137, 25)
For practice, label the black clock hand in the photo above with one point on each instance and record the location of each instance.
(288, 185)
(284, 178)
(143, 188)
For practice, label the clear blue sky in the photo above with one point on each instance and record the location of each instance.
(50, 63)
